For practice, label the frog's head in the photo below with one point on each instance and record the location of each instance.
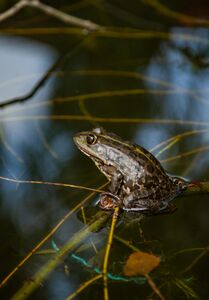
(102, 147)
(91, 143)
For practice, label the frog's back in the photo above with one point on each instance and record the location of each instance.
(139, 167)
(153, 170)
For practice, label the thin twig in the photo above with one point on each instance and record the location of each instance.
(51, 184)
(178, 137)
(95, 95)
(185, 154)
(127, 243)
(13, 10)
(168, 146)
(195, 261)
(67, 117)
(66, 18)
(180, 17)
(193, 188)
(84, 110)
(154, 287)
(83, 286)
(45, 142)
(186, 250)
(107, 252)
(49, 10)
(9, 147)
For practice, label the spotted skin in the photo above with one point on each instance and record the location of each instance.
(138, 181)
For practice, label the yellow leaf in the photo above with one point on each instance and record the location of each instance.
(140, 263)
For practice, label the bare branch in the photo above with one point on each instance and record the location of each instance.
(13, 10)
(45, 77)
(62, 16)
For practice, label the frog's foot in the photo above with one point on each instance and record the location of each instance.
(197, 184)
(164, 208)
(108, 201)
(170, 208)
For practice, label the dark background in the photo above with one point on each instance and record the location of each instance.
(167, 67)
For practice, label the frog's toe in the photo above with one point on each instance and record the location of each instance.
(135, 209)
(108, 201)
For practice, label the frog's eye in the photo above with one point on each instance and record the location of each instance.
(91, 139)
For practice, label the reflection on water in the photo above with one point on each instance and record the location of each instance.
(170, 81)
(22, 62)
(17, 79)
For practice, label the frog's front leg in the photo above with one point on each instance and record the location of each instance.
(164, 208)
(110, 200)
(116, 183)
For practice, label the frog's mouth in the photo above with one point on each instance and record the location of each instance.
(104, 166)
(89, 153)
(98, 161)
(86, 150)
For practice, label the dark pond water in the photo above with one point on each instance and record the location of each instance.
(144, 77)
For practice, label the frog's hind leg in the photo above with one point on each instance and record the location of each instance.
(169, 209)
(153, 209)
(134, 206)
(165, 208)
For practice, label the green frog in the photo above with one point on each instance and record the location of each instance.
(138, 182)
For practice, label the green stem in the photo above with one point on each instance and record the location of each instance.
(198, 188)
(28, 287)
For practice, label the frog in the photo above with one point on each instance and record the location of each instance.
(137, 180)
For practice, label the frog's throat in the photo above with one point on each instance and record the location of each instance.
(86, 152)
(97, 161)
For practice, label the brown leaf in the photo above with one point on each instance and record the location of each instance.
(140, 263)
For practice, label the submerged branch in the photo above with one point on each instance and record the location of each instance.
(196, 260)
(107, 252)
(193, 188)
(83, 286)
(47, 237)
(154, 287)
(29, 286)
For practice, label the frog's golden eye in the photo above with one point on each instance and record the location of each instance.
(91, 139)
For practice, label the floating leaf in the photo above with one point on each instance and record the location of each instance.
(140, 263)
